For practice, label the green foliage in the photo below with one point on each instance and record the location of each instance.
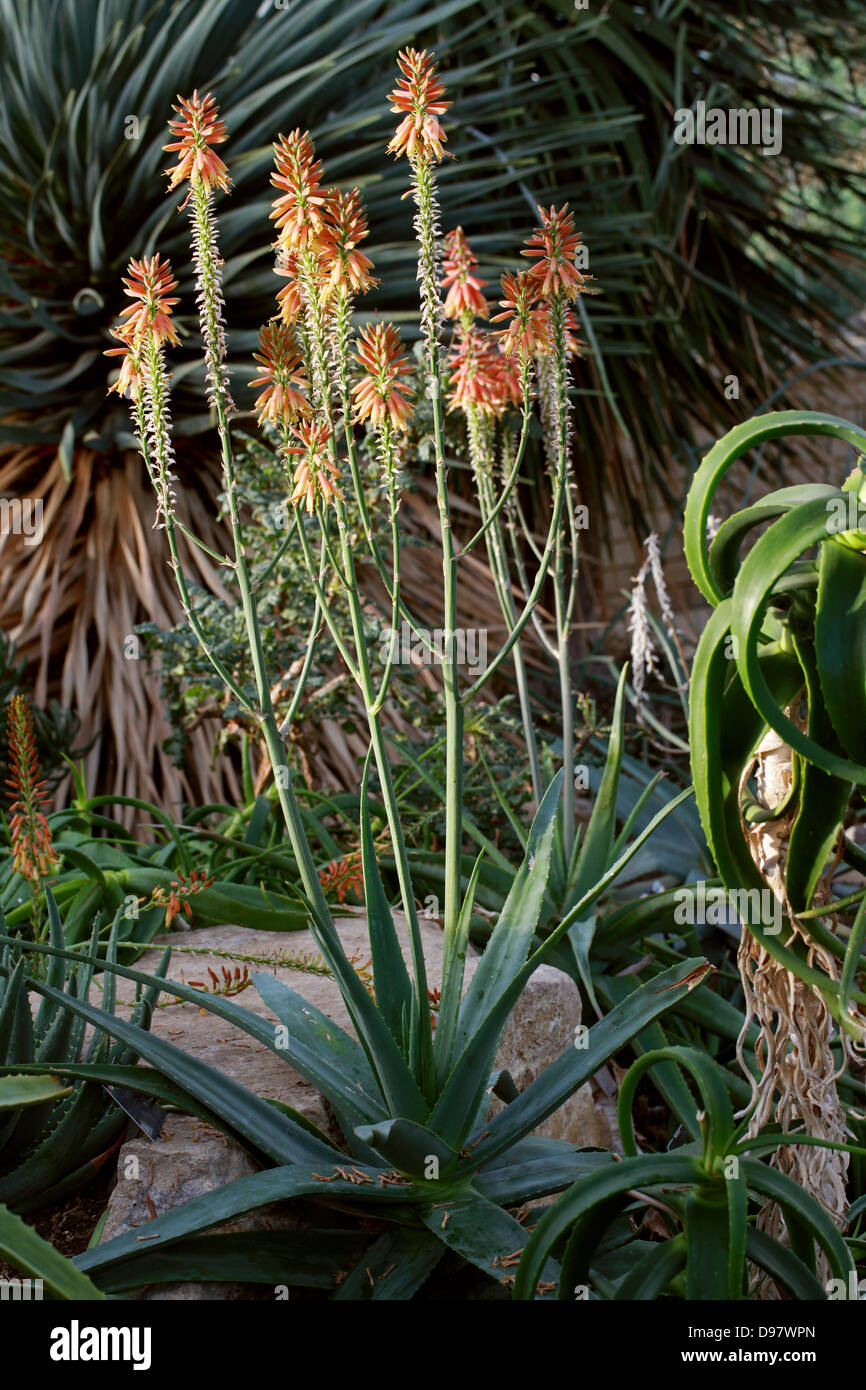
(421, 1157)
(37, 1259)
(783, 651)
(54, 1138)
(706, 1190)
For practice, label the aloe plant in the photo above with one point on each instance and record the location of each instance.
(777, 746)
(54, 1138)
(705, 1191)
(431, 1167)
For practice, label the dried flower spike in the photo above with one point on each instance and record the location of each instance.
(382, 393)
(196, 130)
(418, 96)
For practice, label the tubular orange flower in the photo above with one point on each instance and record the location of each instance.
(316, 475)
(555, 244)
(129, 380)
(464, 295)
(283, 377)
(197, 128)
(289, 298)
(343, 876)
(382, 393)
(148, 285)
(180, 890)
(33, 854)
(418, 95)
(343, 266)
(298, 212)
(481, 376)
(528, 331)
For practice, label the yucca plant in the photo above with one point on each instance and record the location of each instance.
(704, 1192)
(578, 101)
(54, 1142)
(777, 754)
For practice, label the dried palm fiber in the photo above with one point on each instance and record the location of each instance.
(797, 1073)
(72, 602)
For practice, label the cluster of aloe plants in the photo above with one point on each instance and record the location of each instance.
(420, 1161)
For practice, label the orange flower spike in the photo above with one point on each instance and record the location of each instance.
(129, 380)
(554, 246)
(344, 267)
(528, 331)
(316, 475)
(289, 298)
(283, 376)
(343, 876)
(481, 376)
(464, 295)
(197, 128)
(149, 286)
(418, 97)
(33, 854)
(298, 212)
(382, 393)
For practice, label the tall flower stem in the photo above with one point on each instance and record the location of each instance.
(208, 265)
(370, 696)
(426, 222)
(491, 528)
(563, 606)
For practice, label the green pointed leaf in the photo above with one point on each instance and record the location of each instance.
(28, 1252)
